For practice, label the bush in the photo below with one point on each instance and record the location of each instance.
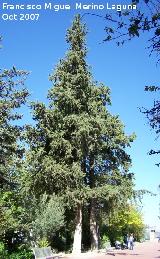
(43, 242)
(3, 251)
(24, 254)
(105, 241)
(21, 255)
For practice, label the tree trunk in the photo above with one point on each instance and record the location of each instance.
(93, 227)
(93, 220)
(78, 231)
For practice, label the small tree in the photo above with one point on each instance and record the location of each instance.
(49, 217)
(126, 221)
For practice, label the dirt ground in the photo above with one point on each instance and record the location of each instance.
(146, 250)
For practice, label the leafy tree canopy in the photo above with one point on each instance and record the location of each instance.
(126, 221)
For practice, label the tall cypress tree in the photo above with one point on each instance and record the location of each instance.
(77, 148)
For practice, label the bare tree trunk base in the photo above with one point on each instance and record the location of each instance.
(93, 228)
(78, 232)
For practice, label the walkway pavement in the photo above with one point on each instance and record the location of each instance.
(146, 250)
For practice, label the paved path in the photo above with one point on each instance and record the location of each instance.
(146, 250)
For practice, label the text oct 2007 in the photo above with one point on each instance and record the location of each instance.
(27, 16)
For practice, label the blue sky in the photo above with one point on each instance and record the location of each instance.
(37, 47)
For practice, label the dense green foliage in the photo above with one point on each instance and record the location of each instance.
(12, 96)
(15, 255)
(126, 221)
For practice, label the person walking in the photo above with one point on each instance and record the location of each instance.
(131, 242)
(127, 241)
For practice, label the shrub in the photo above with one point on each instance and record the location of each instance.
(105, 241)
(21, 255)
(43, 242)
(3, 251)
